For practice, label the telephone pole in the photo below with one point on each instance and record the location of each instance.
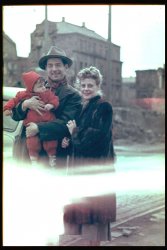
(109, 58)
(45, 30)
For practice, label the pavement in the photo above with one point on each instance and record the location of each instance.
(146, 230)
(122, 147)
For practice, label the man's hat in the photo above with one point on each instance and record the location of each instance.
(54, 52)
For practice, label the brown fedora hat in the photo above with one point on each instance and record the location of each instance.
(54, 52)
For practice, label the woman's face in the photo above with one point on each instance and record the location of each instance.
(88, 88)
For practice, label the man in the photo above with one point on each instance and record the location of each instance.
(56, 64)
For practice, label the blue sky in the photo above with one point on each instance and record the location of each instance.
(138, 29)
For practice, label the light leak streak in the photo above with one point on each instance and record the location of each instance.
(33, 199)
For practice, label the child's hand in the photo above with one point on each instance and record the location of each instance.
(7, 112)
(49, 106)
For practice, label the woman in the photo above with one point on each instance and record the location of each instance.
(91, 137)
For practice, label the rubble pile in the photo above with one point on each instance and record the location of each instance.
(138, 125)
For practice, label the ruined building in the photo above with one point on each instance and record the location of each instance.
(150, 83)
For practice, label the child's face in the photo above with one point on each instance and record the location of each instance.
(39, 86)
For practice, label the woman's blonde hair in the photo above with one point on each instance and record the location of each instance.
(91, 72)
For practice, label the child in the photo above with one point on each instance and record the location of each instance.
(35, 87)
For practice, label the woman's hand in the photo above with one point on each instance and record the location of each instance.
(65, 142)
(34, 103)
(71, 125)
(31, 129)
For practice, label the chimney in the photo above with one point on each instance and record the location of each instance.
(63, 19)
(83, 24)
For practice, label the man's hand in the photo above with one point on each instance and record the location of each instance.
(34, 103)
(31, 129)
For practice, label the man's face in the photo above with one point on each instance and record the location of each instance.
(56, 70)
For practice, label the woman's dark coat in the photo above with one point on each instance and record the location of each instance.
(92, 143)
(92, 139)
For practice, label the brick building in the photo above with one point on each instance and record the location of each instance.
(84, 46)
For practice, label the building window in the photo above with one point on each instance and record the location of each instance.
(81, 45)
(90, 46)
(94, 47)
(86, 45)
(15, 67)
(81, 65)
(100, 50)
(9, 65)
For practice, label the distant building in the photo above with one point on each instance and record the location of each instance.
(147, 84)
(150, 89)
(13, 66)
(128, 90)
(9, 61)
(150, 83)
(84, 46)
(24, 65)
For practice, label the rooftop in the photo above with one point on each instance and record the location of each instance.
(64, 27)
